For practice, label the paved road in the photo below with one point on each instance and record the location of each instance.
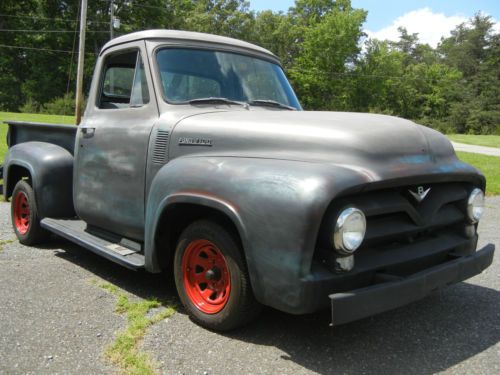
(54, 320)
(492, 151)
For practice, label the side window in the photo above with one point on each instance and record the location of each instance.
(124, 82)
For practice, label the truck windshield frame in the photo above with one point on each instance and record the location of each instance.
(192, 73)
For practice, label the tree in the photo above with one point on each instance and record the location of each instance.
(14, 62)
(473, 48)
(406, 79)
(454, 87)
(274, 32)
(377, 77)
(331, 31)
(222, 17)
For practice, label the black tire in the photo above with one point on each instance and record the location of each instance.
(240, 306)
(24, 215)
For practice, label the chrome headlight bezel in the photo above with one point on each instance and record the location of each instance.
(351, 221)
(475, 205)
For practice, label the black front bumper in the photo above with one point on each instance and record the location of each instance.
(399, 291)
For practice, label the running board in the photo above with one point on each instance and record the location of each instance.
(74, 231)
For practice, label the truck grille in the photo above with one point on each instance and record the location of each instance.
(395, 215)
(401, 230)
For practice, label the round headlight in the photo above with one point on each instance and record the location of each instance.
(350, 230)
(475, 205)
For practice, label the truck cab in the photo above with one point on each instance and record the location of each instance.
(194, 156)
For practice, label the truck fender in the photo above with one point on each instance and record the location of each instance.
(276, 205)
(200, 199)
(50, 170)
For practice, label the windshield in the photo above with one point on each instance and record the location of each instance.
(189, 74)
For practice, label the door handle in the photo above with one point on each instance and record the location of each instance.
(88, 132)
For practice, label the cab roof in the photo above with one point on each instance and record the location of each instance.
(185, 35)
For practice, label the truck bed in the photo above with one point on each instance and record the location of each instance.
(60, 134)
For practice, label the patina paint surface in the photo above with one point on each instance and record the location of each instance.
(110, 167)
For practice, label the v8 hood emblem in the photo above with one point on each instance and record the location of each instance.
(420, 194)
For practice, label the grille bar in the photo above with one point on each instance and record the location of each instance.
(395, 215)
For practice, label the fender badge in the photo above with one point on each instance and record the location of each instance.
(185, 141)
(420, 194)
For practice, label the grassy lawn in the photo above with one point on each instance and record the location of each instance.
(4, 116)
(480, 140)
(489, 165)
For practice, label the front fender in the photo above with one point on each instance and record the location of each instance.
(276, 205)
(51, 170)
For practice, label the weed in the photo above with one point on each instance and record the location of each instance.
(124, 351)
(4, 242)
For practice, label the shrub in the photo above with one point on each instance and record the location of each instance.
(483, 122)
(60, 106)
(442, 126)
(30, 106)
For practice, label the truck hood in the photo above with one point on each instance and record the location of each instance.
(354, 139)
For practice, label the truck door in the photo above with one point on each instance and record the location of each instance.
(112, 143)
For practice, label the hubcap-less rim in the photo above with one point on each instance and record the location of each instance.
(21, 213)
(206, 276)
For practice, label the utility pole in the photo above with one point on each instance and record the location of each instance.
(81, 55)
(112, 22)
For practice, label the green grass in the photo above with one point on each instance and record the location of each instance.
(124, 351)
(489, 165)
(34, 117)
(480, 140)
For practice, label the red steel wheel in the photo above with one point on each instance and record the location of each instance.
(22, 216)
(211, 276)
(206, 276)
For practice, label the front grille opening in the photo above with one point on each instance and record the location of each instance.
(395, 220)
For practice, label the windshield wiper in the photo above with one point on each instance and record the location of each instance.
(270, 103)
(215, 100)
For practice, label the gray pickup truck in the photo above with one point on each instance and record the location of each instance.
(195, 157)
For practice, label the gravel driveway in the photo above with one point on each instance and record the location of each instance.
(53, 319)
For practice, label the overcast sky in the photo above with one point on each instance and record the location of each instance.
(430, 19)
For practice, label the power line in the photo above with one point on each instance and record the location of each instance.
(49, 19)
(48, 31)
(344, 74)
(134, 5)
(39, 49)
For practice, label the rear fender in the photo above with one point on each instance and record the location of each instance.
(50, 170)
